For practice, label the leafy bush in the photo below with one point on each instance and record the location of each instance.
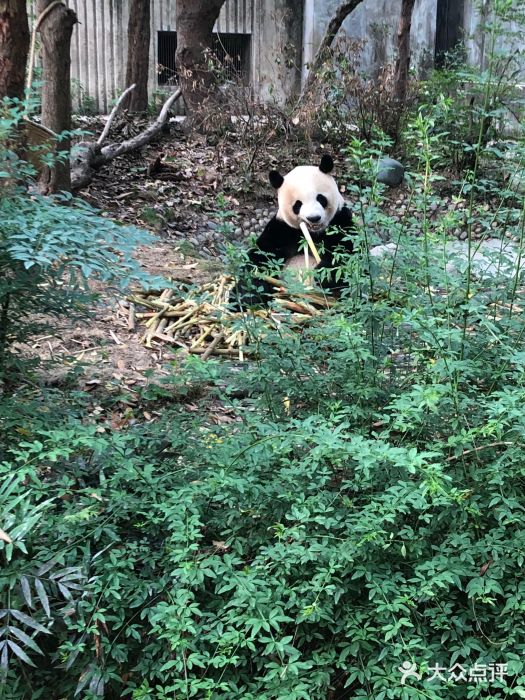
(344, 102)
(475, 104)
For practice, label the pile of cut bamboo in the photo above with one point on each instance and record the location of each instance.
(202, 323)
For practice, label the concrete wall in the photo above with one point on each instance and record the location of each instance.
(284, 37)
(477, 35)
(99, 45)
(278, 49)
(374, 21)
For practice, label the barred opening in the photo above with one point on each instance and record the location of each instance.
(231, 50)
(233, 53)
(166, 47)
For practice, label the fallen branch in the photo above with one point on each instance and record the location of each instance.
(90, 156)
(113, 114)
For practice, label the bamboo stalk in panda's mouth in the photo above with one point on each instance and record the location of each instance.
(311, 244)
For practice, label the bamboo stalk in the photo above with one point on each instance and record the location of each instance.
(216, 351)
(273, 281)
(195, 321)
(211, 347)
(132, 317)
(197, 343)
(230, 340)
(183, 319)
(241, 345)
(292, 306)
(187, 324)
(311, 245)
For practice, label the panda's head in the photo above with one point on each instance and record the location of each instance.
(308, 193)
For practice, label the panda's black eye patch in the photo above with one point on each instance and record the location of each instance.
(297, 207)
(322, 200)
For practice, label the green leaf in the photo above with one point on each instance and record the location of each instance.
(26, 590)
(22, 617)
(23, 637)
(18, 651)
(42, 595)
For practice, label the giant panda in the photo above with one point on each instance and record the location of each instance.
(308, 194)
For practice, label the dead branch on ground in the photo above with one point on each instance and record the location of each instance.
(90, 156)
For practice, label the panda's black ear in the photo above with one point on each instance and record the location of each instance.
(276, 179)
(327, 164)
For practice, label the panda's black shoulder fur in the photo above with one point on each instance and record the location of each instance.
(283, 242)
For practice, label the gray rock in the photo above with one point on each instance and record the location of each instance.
(379, 251)
(490, 258)
(238, 232)
(212, 225)
(390, 172)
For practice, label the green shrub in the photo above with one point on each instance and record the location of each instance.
(361, 507)
(476, 104)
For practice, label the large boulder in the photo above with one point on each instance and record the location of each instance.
(390, 172)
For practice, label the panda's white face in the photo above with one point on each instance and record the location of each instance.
(308, 195)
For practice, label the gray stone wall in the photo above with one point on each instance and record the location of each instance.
(278, 49)
(375, 22)
(284, 37)
(478, 38)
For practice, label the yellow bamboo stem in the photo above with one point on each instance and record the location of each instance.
(311, 245)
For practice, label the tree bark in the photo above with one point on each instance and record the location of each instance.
(403, 51)
(138, 55)
(195, 20)
(55, 31)
(332, 30)
(14, 45)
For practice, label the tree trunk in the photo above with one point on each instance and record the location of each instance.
(138, 55)
(195, 20)
(403, 51)
(332, 30)
(14, 45)
(56, 30)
